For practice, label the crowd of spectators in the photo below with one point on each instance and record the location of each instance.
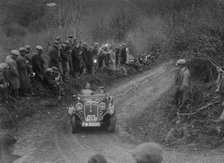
(26, 69)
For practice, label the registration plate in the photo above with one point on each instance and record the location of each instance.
(93, 124)
(91, 118)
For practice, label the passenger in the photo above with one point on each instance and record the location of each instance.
(148, 153)
(87, 90)
(98, 158)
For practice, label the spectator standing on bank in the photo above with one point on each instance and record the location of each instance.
(182, 83)
(38, 64)
(23, 68)
(4, 82)
(13, 75)
(54, 55)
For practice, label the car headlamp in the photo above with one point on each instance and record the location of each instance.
(102, 106)
(79, 106)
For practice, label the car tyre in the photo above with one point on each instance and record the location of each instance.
(74, 125)
(112, 123)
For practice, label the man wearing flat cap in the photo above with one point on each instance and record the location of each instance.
(64, 52)
(123, 54)
(148, 153)
(13, 75)
(38, 63)
(23, 68)
(54, 55)
(29, 52)
(182, 83)
(59, 39)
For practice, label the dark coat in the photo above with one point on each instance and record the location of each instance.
(76, 59)
(23, 73)
(54, 57)
(12, 75)
(49, 79)
(38, 63)
(123, 55)
(89, 61)
(85, 56)
(64, 52)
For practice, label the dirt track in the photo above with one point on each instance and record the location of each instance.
(47, 138)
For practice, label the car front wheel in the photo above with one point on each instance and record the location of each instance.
(73, 125)
(112, 123)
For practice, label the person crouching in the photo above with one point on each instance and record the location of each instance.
(53, 80)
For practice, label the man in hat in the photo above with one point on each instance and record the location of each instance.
(52, 80)
(13, 75)
(148, 153)
(54, 55)
(98, 158)
(101, 57)
(72, 40)
(220, 91)
(117, 53)
(29, 51)
(25, 83)
(85, 56)
(64, 51)
(182, 83)
(89, 64)
(28, 57)
(123, 54)
(38, 64)
(72, 43)
(87, 90)
(59, 39)
(3, 81)
(76, 60)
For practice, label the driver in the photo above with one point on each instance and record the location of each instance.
(87, 90)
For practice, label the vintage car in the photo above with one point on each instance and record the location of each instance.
(94, 109)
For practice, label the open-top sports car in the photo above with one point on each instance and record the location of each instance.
(92, 110)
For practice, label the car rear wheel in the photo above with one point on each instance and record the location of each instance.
(74, 125)
(112, 123)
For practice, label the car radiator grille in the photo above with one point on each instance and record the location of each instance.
(91, 108)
